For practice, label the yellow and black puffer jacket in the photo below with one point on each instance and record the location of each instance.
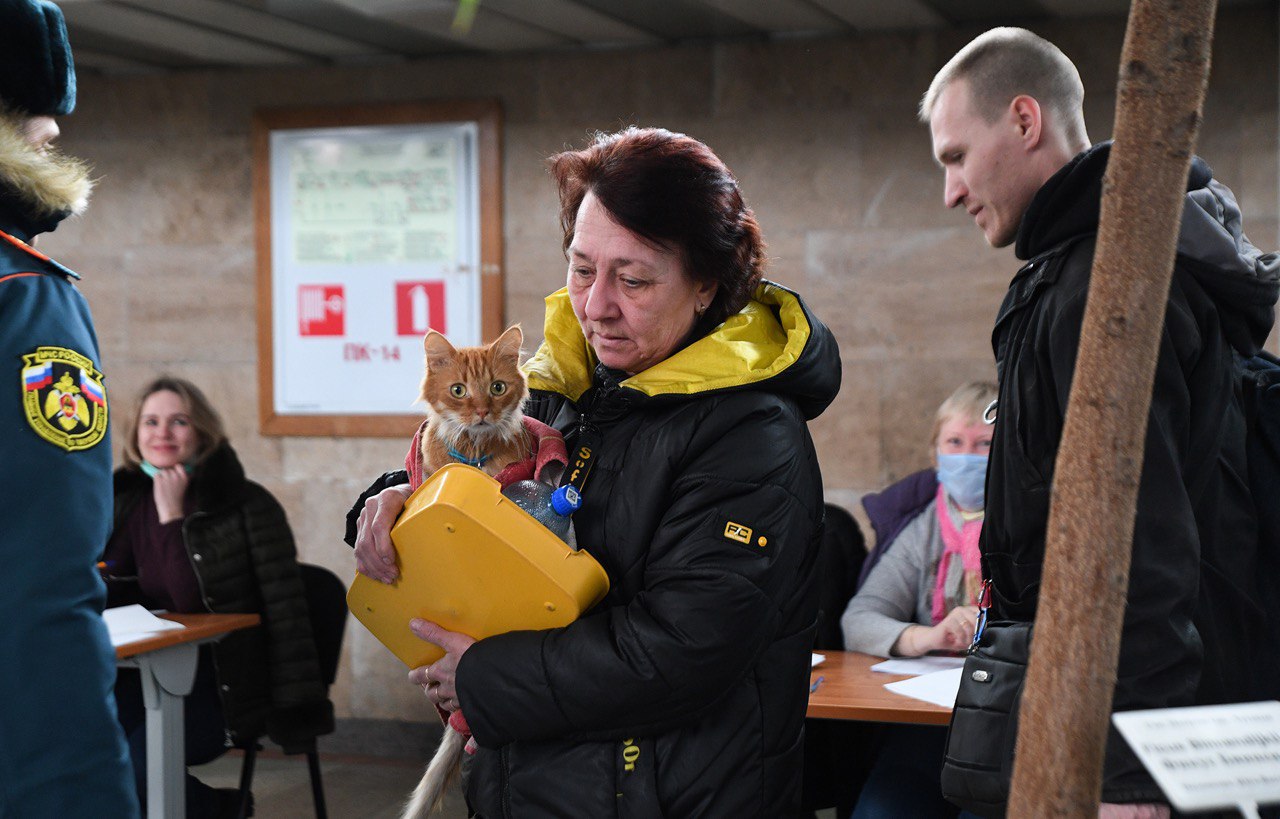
(683, 693)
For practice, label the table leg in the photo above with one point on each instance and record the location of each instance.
(167, 676)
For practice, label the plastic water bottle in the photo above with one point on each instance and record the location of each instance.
(548, 506)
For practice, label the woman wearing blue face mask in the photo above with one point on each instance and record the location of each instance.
(191, 535)
(918, 592)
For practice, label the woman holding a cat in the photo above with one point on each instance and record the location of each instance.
(692, 379)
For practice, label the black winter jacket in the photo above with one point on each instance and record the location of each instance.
(1193, 616)
(683, 693)
(243, 554)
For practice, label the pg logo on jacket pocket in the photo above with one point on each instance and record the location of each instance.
(745, 535)
(63, 398)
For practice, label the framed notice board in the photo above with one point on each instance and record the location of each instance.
(374, 223)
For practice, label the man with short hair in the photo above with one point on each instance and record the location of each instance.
(62, 754)
(1008, 129)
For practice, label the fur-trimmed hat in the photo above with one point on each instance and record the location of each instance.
(37, 75)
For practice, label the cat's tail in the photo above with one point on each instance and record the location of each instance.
(439, 776)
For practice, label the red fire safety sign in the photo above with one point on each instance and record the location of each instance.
(322, 310)
(419, 307)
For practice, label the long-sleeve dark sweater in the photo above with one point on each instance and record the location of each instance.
(156, 554)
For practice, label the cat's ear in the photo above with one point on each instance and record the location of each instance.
(437, 347)
(508, 344)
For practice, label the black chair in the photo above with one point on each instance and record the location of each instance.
(327, 604)
(839, 563)
(837, 754)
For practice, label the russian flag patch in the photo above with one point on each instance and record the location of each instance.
(37, 377)
(92, 389)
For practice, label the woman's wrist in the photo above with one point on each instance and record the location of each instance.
(168, 509)
(906, 644)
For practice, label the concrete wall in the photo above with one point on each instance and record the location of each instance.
(821, 133)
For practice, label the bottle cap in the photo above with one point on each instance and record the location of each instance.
(565, 500)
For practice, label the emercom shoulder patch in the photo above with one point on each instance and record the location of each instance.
(63, 397)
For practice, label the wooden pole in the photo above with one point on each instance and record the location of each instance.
(1066, 704)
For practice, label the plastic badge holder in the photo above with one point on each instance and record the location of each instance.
(474, 562)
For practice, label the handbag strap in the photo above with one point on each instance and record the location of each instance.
(984, 606)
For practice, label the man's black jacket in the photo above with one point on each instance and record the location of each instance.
(1193, 616)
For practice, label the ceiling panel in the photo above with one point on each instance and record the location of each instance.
(962, 12)
(141, 56)
(490, 31)
(108, 63)
(134, 35)
(254, 24)
(206, 46)
(355, 23)
(578, 22)
(877, 15)
(782, 16)
(673, 19)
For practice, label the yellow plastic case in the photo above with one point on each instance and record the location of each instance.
(474, 562)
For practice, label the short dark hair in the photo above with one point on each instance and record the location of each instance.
(1002, 63)
(671, 190)
(204, 418)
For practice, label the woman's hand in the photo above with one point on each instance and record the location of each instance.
(953, 633)
(169, 487)
(375, 556)
(439, 680)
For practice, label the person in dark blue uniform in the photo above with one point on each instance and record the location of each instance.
(61, 753)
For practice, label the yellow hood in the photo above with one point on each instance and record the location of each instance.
(762, 340)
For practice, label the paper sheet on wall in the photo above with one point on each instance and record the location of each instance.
(128, 624)
(939, 688)
(918, 665)
(383, 201)
(375, 238)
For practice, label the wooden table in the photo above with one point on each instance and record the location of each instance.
(166, 661)
(851, 690)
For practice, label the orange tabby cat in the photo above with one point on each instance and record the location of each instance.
(473, 397)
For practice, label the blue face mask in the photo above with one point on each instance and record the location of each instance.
(150, 470)
(964, 477)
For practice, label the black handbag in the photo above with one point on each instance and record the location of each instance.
(978, 765)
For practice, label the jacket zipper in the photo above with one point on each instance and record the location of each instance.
(213, 655)
(186, 543)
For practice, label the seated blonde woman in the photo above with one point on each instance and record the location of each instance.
(192, 534)
(919, 593)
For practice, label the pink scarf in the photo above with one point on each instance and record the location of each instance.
(963, 542)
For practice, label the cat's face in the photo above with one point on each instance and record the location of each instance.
(476, 390)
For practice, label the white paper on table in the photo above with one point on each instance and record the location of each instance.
(939, 688)
(918, 665)
(815, 659)
(128, 624)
